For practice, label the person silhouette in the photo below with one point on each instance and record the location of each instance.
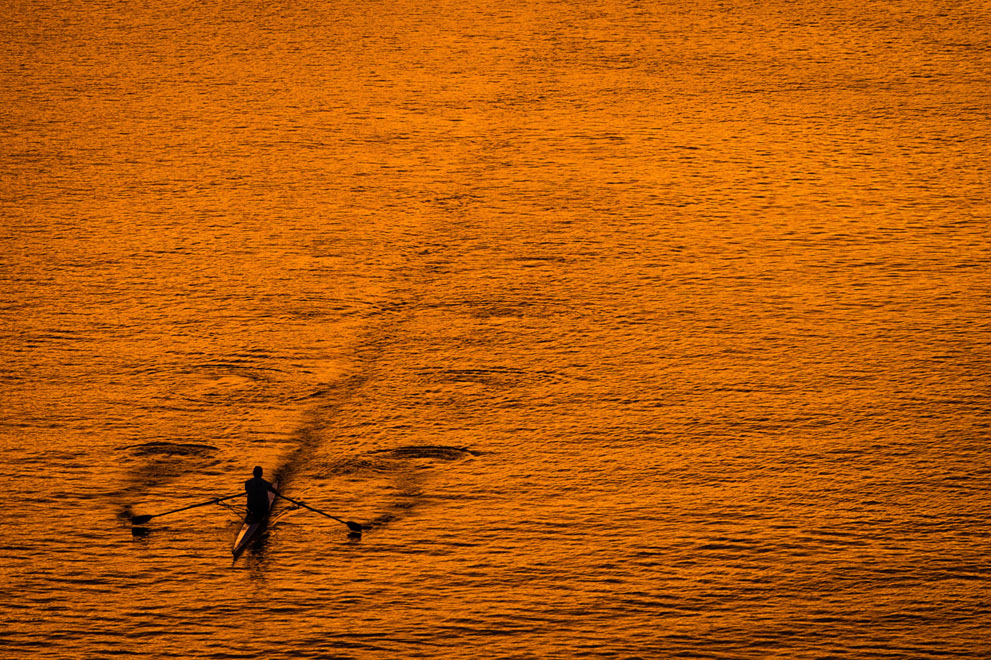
(257, 490)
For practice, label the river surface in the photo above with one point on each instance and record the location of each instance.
(627, 329)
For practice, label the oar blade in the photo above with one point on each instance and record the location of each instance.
(354, 527)
(140, 520)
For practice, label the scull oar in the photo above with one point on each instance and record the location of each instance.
(140, 520)
(353, 526)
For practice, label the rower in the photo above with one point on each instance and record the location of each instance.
(257, 490)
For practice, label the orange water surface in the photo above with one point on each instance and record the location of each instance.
(642, 329)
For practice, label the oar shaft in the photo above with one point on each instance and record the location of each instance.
(193, 506)
(146, 518)
(306, 506)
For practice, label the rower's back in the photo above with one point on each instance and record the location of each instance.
(257, 490)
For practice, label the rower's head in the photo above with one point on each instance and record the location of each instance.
(258, 471)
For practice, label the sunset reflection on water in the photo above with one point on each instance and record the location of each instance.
(629, 330)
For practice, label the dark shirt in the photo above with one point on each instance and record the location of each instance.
(257, 490)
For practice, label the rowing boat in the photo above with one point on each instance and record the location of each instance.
(252, 528)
